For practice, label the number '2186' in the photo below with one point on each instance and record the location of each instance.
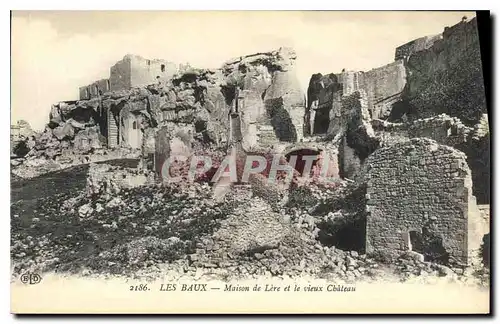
(141, 287)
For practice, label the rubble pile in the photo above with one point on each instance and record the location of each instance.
(242, 247)
(107, 180)
(102, 233)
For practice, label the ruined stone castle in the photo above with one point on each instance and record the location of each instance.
(414, 132)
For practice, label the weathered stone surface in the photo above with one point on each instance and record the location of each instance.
(65, 131)
(21, 138)
(422, 187)
(447, 77)
(446, 130)
(270, 107)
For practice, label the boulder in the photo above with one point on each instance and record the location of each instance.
(65, 131)
(85, 211)
(87, 140)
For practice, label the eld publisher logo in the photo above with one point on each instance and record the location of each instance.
(31, 278)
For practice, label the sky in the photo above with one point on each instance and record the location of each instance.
(55, 52)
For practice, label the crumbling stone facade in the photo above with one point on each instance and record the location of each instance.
(96, 89)
(136, 71)
(132, 71)
(446, 130)
(419, 198)
(427, 78)
(172, 140)
(382, 87)
(434, 89)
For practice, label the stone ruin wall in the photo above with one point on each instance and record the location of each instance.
(136, 71)
(144, 72)
(438, 75)
(420, 184)
(419, 44)
(381, 88)
(446, 130)
(412, 184)
(409, 96)
(172, 140)
(95, 89)
(271, 106)
(419, 84)
(120, 75)
(357, 137)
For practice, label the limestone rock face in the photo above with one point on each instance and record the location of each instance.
(271, 104)
(172, 141)
(65, 131)
(447, 77)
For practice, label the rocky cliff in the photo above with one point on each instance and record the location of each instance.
(447, 77)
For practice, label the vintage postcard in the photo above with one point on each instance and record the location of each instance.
(228, 162)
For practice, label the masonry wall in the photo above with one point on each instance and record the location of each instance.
(252, 115)
(120, 74)
(130, 129)
(351, 81)
(83, 93)
(349, 163)
(359, 139)
(443, 129)
(446, 130)
(136, 71)
(171, 139)
(415, 185)
(324, 106)
(144, 72)
(382, 88)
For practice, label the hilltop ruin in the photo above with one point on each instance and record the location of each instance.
(411, 138)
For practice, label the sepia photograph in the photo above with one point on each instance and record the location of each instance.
(259, 162)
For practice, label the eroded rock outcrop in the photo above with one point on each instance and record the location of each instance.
(270, 103)
(447, 76)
